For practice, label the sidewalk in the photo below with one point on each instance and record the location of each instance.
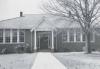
(46, 60)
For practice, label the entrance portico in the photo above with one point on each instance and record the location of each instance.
(43, 40)
(43, 35)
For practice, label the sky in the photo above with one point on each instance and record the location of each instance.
(11, 8)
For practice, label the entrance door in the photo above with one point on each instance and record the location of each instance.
(44, 43)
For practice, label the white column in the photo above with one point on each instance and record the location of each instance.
(81, 37)
(35, 47)
(18, 36)
(74, 35)
(52, 40)
(11, 35)
(3, 35)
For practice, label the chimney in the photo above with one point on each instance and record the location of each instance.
(21, 14)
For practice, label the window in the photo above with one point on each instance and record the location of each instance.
(1, 36)
(78, 36)
(11, 36)
(83, 36)
(91, 37)
(14, 35)
(75, 36)
(7, 36)
(71, 35)
(64, 36)
(21, 36)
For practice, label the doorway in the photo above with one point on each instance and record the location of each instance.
(44, 43)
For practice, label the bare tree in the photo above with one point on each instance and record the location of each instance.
(84, 12)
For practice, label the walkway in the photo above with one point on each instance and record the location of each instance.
(46, 60)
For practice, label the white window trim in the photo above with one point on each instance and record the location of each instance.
(11, 36)
(92, 41)
(81, 38)
(74, 35)
(93, 37)
(18, 37)
(68, 36)
(75, 41)
(3, 36)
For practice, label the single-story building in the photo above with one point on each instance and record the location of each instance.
(38, 32)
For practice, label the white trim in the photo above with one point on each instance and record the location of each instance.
(74, 35)
(3, 36)
(81, 37)
(93, 37)
(13, 43)
(35, 47)
(11, 35)
(24, 35)
(52, 40)
(18, 36)
(68, 38)
(75, 41)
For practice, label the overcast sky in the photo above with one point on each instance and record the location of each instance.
(11, 8)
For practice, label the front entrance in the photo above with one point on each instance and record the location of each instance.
(44, 42)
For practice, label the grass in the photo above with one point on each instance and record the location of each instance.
(79, 60)
(17, 61)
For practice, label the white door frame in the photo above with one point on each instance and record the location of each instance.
(40, 40)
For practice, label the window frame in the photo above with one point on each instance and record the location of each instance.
(21, 35)
(75, 39)
(93, 36)
(8, 36)
(2, 36)
(11, 37)
(14, 35)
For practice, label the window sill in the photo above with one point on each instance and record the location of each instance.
(77, 42)
(13, 43)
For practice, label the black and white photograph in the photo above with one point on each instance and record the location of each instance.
(49, 34)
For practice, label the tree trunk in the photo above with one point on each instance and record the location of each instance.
(87, 44)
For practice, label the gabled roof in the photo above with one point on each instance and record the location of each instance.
(37, 21)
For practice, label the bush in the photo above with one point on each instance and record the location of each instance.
(15, 48)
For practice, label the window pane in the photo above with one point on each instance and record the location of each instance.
(1, 39)
(21, 36)
(84, 39)
(14, 36)
(78, 34)
(21, 32)
(71, 34)
(91, 36)
(1, 33)
(64, 36)
(1, 36)
(7, 35)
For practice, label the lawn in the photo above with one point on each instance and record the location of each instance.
(79, 60)
(17, 61)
